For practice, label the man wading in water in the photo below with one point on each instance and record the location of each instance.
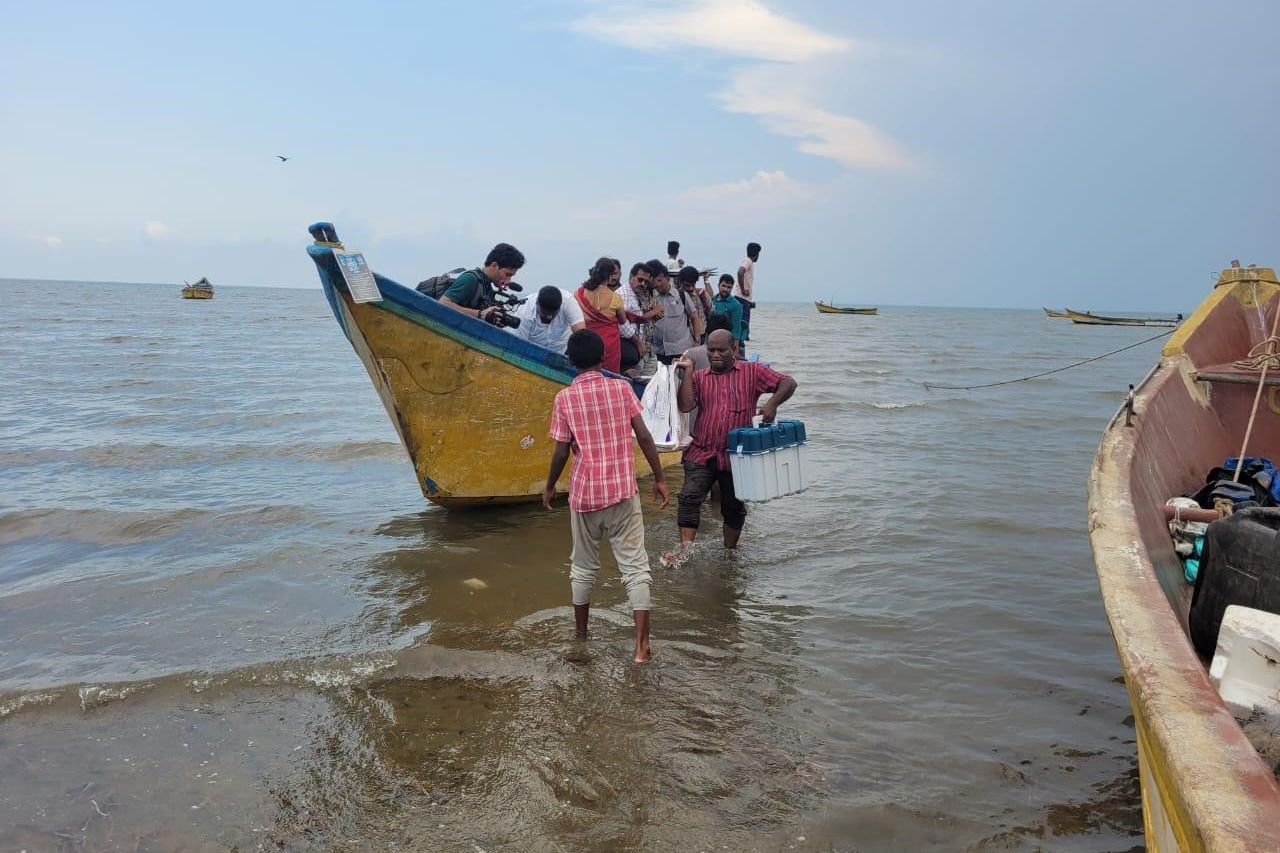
(725, 396)
(595, 416)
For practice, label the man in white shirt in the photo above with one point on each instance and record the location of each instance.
(745, 291)
(673, 260)
(549, 320)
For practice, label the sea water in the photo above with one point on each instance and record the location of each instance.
(228, 620)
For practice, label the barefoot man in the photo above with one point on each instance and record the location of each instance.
(725, 395)
(595, 416)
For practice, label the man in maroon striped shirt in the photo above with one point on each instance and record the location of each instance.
(725, 395)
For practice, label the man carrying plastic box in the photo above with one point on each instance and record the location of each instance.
(725, 395)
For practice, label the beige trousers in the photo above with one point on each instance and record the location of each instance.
(623, 524)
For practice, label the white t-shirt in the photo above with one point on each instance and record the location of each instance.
(554, 335)
(749, 276)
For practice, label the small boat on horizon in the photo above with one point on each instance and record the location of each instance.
(828, 308)
(1086, 318)
(470, 401)
(202, 289)
(1204, 785)
(1056, 314)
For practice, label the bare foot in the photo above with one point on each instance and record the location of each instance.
(642, 656)
(678, 556)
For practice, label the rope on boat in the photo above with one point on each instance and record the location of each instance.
(932, 385)
(1266, 355)
(1266, 358)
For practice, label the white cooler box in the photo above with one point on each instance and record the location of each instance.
(768, 461)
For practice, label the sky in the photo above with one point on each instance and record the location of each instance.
(989, 153)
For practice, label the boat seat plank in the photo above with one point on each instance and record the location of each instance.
(1229, 374)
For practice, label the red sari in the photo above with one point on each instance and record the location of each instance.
(605, 325)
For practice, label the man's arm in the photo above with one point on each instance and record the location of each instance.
(558, 459)
(479, 314)
(650, 451)
(769, 411)
(685, 398)
(470, 295)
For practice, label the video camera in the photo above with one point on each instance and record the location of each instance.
(504, 302)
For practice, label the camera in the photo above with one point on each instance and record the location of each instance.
(504, 301)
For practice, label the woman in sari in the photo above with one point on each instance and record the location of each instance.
(603, 311)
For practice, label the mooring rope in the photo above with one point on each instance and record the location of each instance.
(932, 385)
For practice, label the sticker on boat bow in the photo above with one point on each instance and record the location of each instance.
(355, 270)
(526, 442)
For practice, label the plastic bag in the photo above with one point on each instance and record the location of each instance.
(661, 412)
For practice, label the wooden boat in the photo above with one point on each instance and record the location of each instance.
(202, 289)
(470, 401)
(828, 308)
(1085, 318)
(1203, 785)
(1056, 314)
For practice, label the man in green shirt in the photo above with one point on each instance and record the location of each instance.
(472, 292)
(725, 303)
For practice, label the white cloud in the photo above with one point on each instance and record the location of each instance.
(157, 230)
(51, 240)
(745, 28)
(778, 90)
(763, 197)
(784, 107)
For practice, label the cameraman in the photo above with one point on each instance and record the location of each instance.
(549, 320)
(472, 293)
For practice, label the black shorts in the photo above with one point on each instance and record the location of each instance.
(698, 477)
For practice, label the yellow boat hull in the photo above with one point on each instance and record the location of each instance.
(471, 403)
(196, 293)
(1204, 788)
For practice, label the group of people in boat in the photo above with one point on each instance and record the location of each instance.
(664, 309)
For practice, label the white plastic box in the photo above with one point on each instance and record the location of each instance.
(768, 461)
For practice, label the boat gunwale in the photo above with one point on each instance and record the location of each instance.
(407, 303)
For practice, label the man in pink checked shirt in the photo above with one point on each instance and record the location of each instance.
(595, 417)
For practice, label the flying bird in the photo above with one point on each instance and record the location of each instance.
(282, 158)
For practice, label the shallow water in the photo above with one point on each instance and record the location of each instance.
(229, 620)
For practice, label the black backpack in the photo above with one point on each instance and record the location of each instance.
(438, 284)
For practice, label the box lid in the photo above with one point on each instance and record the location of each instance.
(766, 438)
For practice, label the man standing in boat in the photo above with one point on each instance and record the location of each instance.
(725, 395)
(674, 328)
(745, 292)
(472, 293)
(595, 417)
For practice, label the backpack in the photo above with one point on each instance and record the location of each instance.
(438, 284)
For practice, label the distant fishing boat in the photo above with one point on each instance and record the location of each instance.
(1084, 318)
(471, 402)
(202, 289)
(1056, 314)
(1204, 787)
(828, 308)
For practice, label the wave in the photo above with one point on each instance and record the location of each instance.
(913, 404)
(151, 455)
(329, 673)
